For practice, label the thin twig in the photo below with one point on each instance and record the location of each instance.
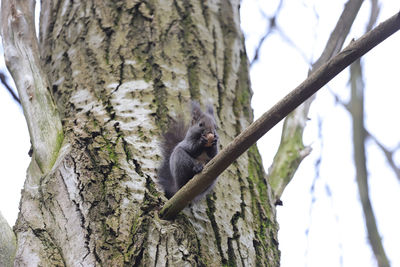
(8, 87)
(290, 42)
(257, 129)
(388, 154)
(272, 26)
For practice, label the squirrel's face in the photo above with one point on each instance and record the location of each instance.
(207, 129)
(203, 125)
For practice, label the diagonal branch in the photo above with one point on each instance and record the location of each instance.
(21, 53)
(257, 129)
(292, 151)
(339, 34)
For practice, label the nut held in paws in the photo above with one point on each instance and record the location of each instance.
(210, 139)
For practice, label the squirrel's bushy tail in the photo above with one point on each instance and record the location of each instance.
(175, 134)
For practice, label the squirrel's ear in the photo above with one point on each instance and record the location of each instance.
(196, 112)
(210, 109)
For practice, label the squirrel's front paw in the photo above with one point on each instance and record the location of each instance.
(215, 140)
(203, 140)
(197, 168)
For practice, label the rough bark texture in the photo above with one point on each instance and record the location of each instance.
(7, 244)
(118, 71)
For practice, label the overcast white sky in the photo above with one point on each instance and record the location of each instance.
(334, 221)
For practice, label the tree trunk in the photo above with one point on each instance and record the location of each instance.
(118, 71)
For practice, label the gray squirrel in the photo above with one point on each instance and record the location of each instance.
(186, 149)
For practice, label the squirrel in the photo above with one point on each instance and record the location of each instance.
(186, 149)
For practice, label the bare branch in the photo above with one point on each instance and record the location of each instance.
(292, 44)
(257, 129)
(375, 9)
(272, 26)
(339, 34)
(388, 154)
(284, 167)
(8, 87)
(360, 160)
(357, 113)
(21, 53)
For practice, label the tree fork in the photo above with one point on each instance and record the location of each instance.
(280, 110)
(21, 52)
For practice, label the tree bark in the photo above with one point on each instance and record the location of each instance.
(118, 71)
(7, 244)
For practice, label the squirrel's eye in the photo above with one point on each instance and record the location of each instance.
(201, 124)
